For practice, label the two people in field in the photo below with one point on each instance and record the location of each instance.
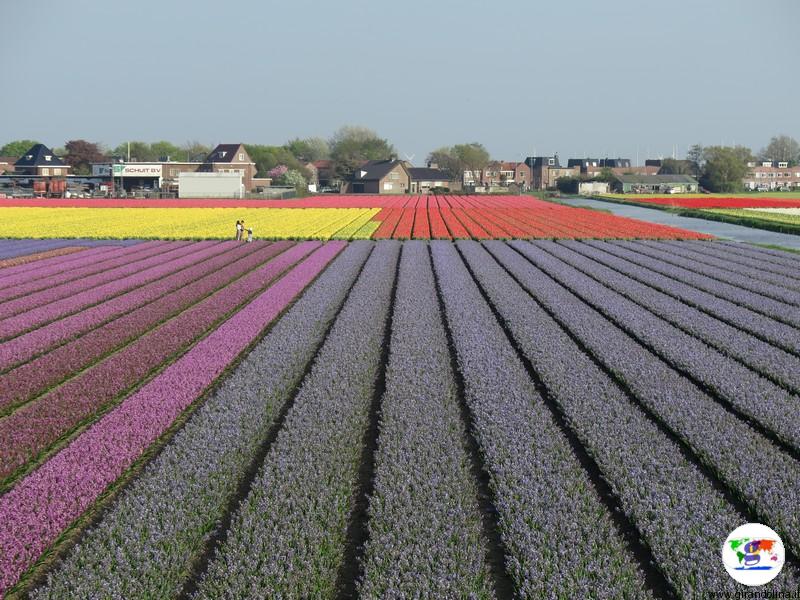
(240, 230)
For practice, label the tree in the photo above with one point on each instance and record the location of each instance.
(472, 157)
(138, 151)
(194, 151)
(294, 178)
(672, 166)
(695, 158)
(782, 148)
(80, 155)
(269, 157)
(350, 146)
(308, 149)
(447, 161)
(724, 168)
(17, 148)
(163, 149)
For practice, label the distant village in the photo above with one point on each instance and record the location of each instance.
(229, 170)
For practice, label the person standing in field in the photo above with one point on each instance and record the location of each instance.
(239, 229)
(249, 235)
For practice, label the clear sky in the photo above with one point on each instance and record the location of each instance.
(577, 77)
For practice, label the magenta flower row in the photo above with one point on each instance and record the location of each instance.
(56, 264)
(79, 300)
(26, 346)
(36, 282)
(53, 293)
(35, 426)
(31, 378)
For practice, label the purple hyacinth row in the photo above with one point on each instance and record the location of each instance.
(14, 248)
(757, 354)
(559, 538)
(35, 512)
(287, 539)
(767, 256)
(26, 284)
(662, 493)
(151, 257)
(772, 406)
(699, 264)
(780, 334)
(714, 434)
(188, 269)
(180, 497)
(720, 256)
(31, 378)
(55, 264)
(424, 523)
(43, 314)
(651, 259)
(32, 428)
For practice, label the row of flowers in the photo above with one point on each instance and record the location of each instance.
(41, 282)
(12, 248)
(717, 256)
(41, 255)
(714, 434)
(46, 267)
(766, 359)
(182, 496)
(558, 536)
(766, 256)
(287, 539)
(34, 427)
(703, 294)
(738, 386)
(665, 496)
(186, 270)
(177, 223)
(78, 295)
(697, 275)
(40, 507)
(424, 532)
(33, 377)
(774, 293)
(485, 222)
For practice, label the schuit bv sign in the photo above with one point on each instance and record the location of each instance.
(137, 170)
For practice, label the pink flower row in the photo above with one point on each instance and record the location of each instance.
(26, 346)
(36, 512)
(78, 300)
(36, 426)
(31, 378)
(25, 284)
(57, 291)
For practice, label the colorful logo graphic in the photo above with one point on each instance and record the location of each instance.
(753, 554)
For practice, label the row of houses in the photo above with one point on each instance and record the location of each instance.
(772, 175)
(229, 162)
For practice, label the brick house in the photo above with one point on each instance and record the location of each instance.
(379, 177)
(231, 158)
(423, 179)
(771, 175)
(547, 170)
(41, 161)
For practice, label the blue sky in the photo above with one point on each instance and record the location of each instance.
(577, 78)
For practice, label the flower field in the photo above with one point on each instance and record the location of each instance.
(323, 218)
(708, 201)
(390, 419)
(787, 216)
